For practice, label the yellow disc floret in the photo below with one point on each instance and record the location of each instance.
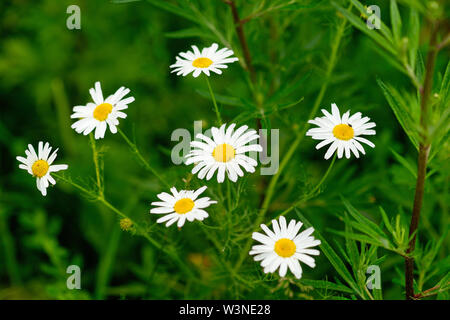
(285, 247)
(223, 153)
(202, 62)
(40, 168)
(125, 224)
(343, 132)
(102, 111)
(183, 206)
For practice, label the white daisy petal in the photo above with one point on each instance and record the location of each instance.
(283, 249)
(204, 61)
(180, 206)
(343, 134)
(39, 165)
(224, 153)
(102, 113)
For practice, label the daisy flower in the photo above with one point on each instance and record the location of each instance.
(224, 153)
(102, 112)
(181, 206)
(209, 59)
(344, 133)
(283, 247)
(39, 165)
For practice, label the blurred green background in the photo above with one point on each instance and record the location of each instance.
(46, 69)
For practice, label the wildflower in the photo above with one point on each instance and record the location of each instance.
(283, 248)
(209, 59)
(40, 165)
(125, 224)
(344, 133)
(224, 153)
(181, 206)
(102, 113)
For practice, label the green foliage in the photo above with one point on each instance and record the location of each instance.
(306, 54)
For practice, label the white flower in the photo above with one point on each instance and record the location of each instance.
(40, 165)
(102, 112)
(209, 59)
(283, 248)
(181, 206)
(225, 152)
(344, 133)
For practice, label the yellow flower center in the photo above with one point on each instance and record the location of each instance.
(343, 132)
(285, 247)
(223, 153)
(202, 62)
(183, 206)
(40, 168)
(102, 111)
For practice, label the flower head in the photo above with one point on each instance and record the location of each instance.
(283, 247)
(126, 224)
(39, 165)
(102, 113)
(209, 59)
(224, 153)
(344, 133)
(181, 206)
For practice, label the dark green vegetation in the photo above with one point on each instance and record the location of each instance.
(305, 55)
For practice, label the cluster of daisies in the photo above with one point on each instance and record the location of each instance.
(225, 153)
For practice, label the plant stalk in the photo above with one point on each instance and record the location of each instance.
(242, 39)
(141, 158)
(296, 143)
(424, 150)
(97, 164)
(310, 194)
(213, 97)
(141, 230)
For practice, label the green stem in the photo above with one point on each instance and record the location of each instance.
(97, 165)
(141, 158)
(223, 261)
(229, 196)
(216, 108)
(141, 231)
(299, 138)
(106, 263)
(63, 110)
(312, 193)
(10, 253)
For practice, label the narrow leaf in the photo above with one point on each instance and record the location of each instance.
(334, 259)
(396, 22)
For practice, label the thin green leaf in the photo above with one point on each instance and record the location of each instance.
(385, 31)
(420, 67)
(401, 113)
(413, 37)
(358, 237)
(189, 33)
(387, 223)
(393, 60)
(355, 21)
(405, 163)
(350, 244)
(444, 92)
(334, 259)
(287, 88)
(396, 22)
(362, 219)
(322, 284)
(177, 10)
(227, 100)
